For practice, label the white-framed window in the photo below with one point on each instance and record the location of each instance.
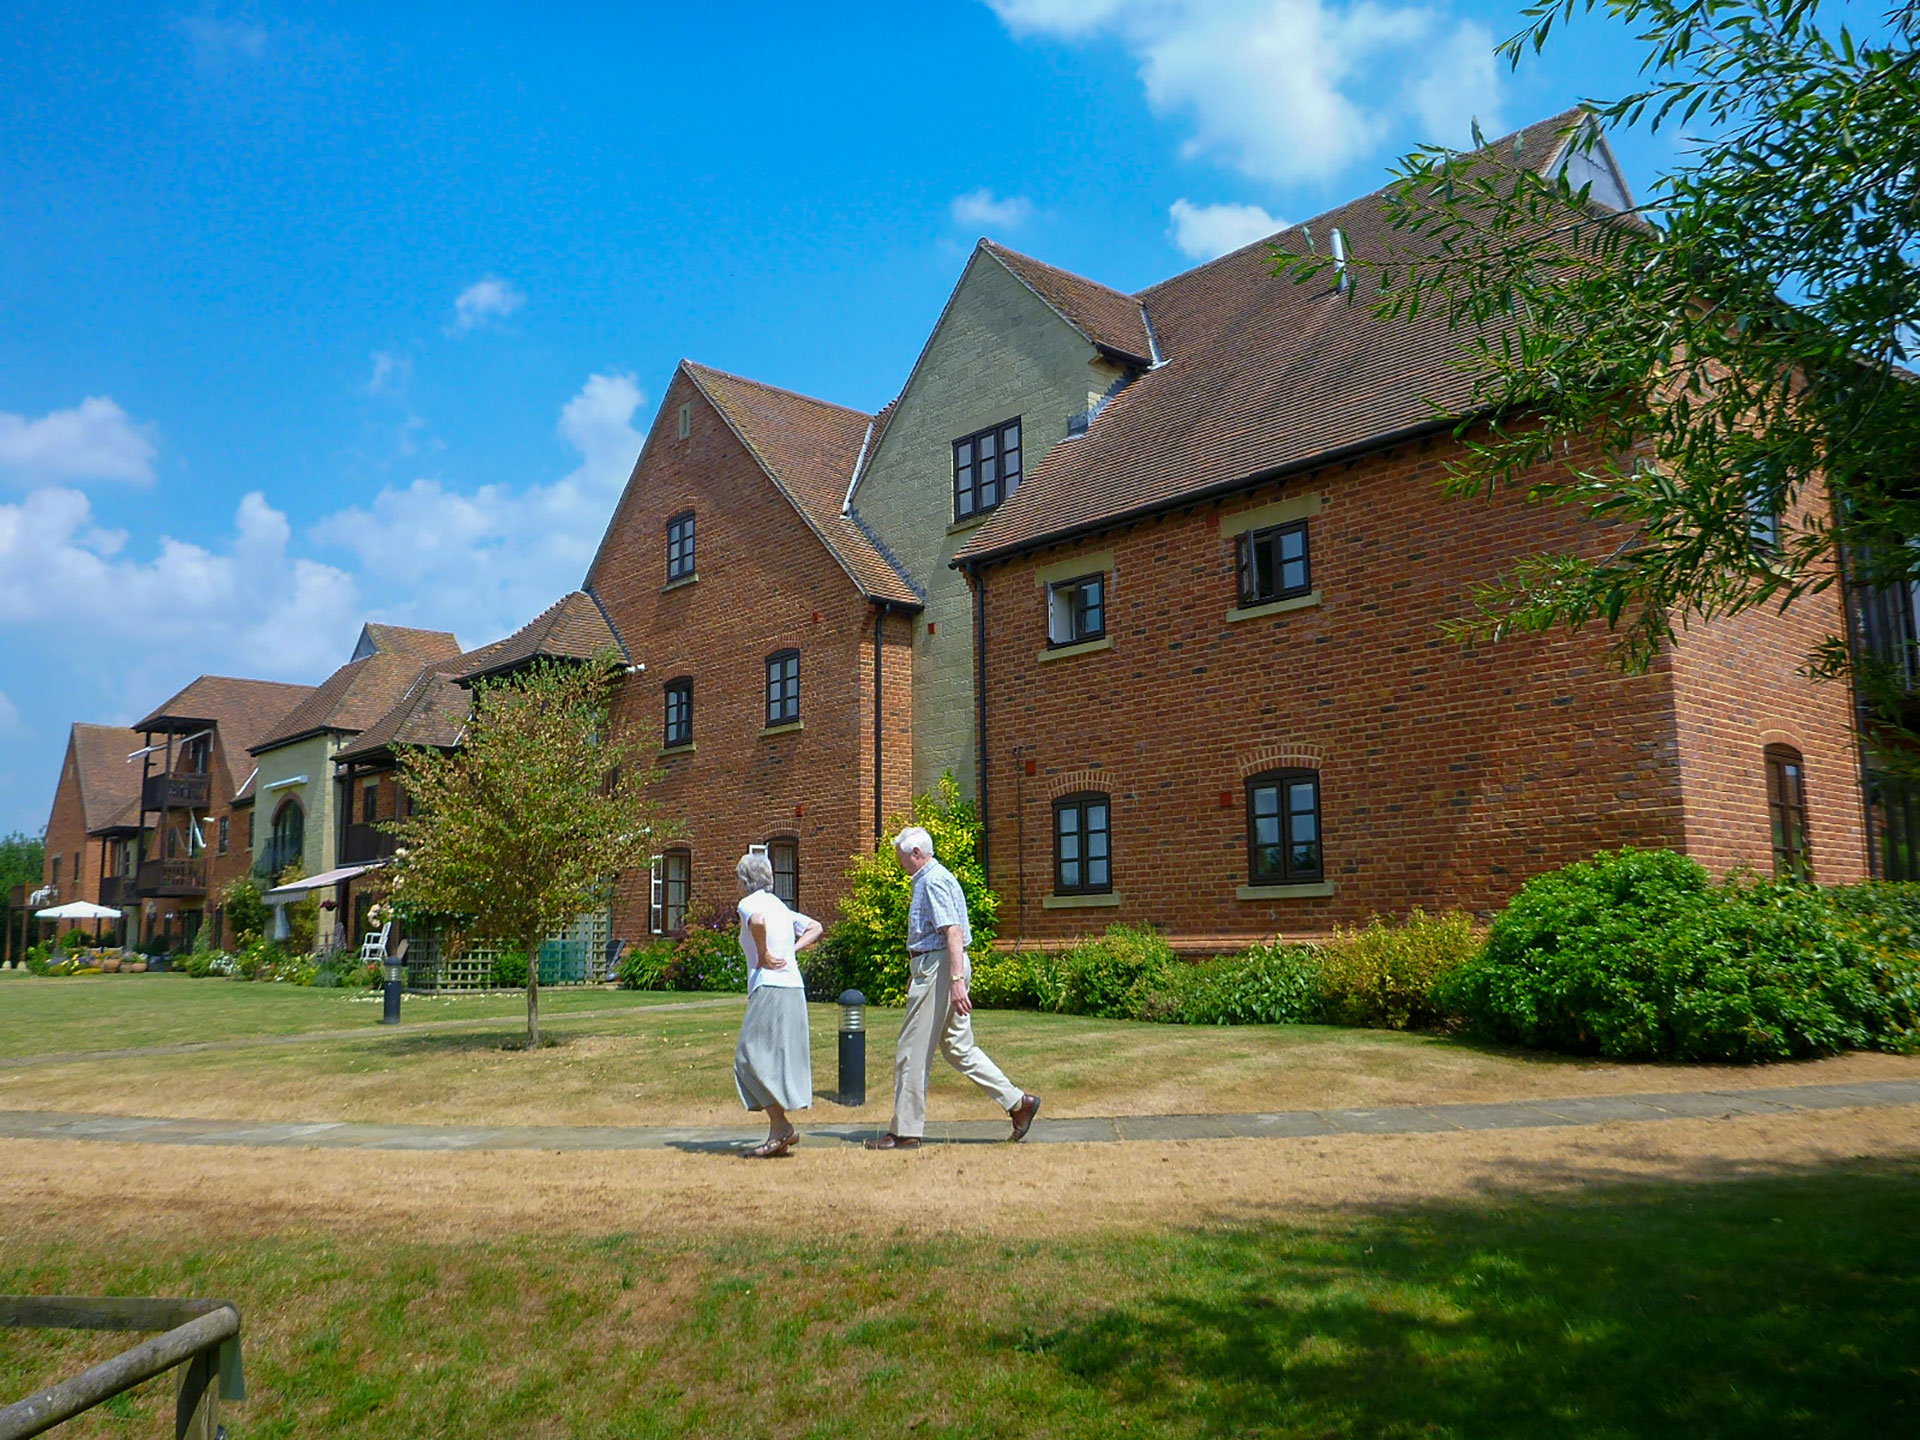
(669, 877)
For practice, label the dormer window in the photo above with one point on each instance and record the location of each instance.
(680, 547)
(986, 469)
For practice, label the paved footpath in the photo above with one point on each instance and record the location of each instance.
(1393, 1120)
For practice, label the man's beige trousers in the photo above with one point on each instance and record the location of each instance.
(931, 1027)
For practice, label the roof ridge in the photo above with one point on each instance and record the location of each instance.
(996, 246)
(1376, 192)
(776, 389)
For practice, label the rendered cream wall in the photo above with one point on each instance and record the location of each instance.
(999, 352)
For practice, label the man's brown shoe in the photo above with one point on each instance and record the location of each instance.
(891, 1141)
(1022, 1115)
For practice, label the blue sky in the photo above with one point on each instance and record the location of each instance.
(314, 314)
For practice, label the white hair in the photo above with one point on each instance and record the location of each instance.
(754, 871)
(912, 838)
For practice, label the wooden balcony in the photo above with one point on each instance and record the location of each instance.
(118, 892)
(184, 878)
(176, 792)
(365, 843)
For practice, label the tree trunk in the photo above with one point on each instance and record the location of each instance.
(533, 993)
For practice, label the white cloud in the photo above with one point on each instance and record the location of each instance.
(1461, 85)
(68, 589)
(489, 298)
(217, 42)
(392, 374)
(982, 209)
(1205, 231)
(1284, 90)
(96, 440)
(9, 715)
(486, 561)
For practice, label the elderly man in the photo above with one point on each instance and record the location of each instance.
(939, 1010)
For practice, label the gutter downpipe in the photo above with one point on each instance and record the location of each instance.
(879, 819)
(980, 711)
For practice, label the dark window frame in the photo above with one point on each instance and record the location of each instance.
(223, 835)
(970, 489)
(1247, 556)
(1787, 813)
(1079, 632)
(1287, 872)
(783, 688)
(680, 546)
(1078, 806)
(680, 689)
(786, 847)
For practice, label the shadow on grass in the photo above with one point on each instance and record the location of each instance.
(461, 1042)
(1788, 1305)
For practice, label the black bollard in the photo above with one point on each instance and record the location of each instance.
(853, 1048)
(396, 981)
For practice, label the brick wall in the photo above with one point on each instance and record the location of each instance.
(1737, 690)
(1448, 775)
(765, 583)
(67, 839)
(998, 353)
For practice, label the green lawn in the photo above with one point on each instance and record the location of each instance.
(97, 1012)
(1785, 1306)
(668, 1059)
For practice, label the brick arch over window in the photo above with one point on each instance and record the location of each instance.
(1281, 755)
(1074, 781)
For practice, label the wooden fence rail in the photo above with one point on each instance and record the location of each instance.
(202, 1338)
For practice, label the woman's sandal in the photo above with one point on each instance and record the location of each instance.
(774, 1149)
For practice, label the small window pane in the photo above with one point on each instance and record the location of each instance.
(1081, 862)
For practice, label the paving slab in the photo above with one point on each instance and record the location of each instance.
(727, 1139)
(1394, 1120)
(1501, 1115)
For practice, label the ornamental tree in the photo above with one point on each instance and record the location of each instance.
(525, 824)
(1732, 348)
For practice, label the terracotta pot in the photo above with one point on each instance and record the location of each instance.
(138, 967)
(109, 963)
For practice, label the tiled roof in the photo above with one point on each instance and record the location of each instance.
(1107, 317)
(350, 699)
(432, 712)
(1261, 375)
(572, 628)
(808, 448)
(109, 782)
(244, 710)
(422, 645)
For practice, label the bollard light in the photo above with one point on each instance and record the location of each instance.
(853, 1048)
(396, 976)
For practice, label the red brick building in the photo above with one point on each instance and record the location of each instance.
(775, 637)
(93, 827)
(196, 798)
(1216, 693)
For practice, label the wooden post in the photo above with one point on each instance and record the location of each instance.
(196, 1407)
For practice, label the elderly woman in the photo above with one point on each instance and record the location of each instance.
(773, 1065)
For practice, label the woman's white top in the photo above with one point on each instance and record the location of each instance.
(784, 926)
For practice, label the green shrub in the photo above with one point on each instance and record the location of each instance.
(75, 940)
(870, 938)
(708, 958)
(247, 915)
(1638, 955)
(1271, 984)
(1112, 975)
(510, 970)
(644, 967)
(1884, 918)
(824, 969)
(36, 964)
(1383, 977)
(1007, 981)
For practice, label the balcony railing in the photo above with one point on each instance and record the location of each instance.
(364, 843)
(173, 877)
(176, 792)
(118, 891)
